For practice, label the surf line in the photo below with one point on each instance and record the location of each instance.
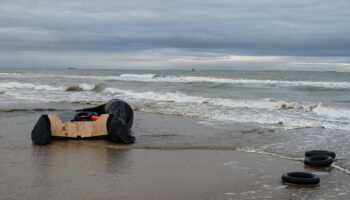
(151, 147)
(346, 171)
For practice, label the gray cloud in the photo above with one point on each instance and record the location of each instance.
(223, 27)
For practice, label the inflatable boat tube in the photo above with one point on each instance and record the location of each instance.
(319, 161)
(41, 133)
(300, 178)
(120, 109)
(118, 130)
(319, 152)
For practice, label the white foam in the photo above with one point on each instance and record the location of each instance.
(335, 113)
(262, 111)
(6, 75)
(178, 97)
(246, 82)
(274, 113)
(58, 96)
(86, 86)
(201, 79)
(138, 75)
(18, 85)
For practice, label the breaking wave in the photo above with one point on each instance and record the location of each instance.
(18, 85)
(335, 113)
(244, 82)
(7, 75)
(288, 114)
(139, 75)
(177, 97)
(263, 111)
(255, 83)
(31, 109)
(85, 87)
(80, 87)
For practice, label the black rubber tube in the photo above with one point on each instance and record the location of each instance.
(319, 152)
(118, 130)
(319, 161)
(121, 109)
(301, 178)
(41, 133)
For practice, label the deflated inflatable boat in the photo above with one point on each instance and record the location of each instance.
(112, 120)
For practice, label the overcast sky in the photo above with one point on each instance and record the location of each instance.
(159, 34)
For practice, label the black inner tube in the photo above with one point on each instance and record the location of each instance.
(319, 152)
(301, 178)
(319, 161)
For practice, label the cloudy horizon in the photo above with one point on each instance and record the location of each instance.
(153, 34)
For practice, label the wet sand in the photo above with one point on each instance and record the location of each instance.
(174, 158)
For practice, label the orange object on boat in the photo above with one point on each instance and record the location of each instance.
(94, 118)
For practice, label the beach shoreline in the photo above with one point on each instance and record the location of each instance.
(173, 158)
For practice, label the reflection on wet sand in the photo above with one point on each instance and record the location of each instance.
(74, 165)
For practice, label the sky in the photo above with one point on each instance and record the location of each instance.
(181, 34)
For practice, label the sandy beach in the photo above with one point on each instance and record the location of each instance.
(170, 160)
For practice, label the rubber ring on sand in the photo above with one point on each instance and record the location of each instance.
(300, 178)
(319, 152)
(319, 161)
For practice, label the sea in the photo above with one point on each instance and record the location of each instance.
(273, 99)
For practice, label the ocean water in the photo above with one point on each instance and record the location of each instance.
(272, 99)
